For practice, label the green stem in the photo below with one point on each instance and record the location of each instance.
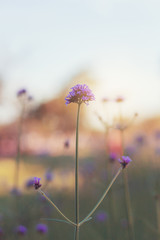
(158, 214)
(77, 179)
(58, 210)
(128, 206)
(101, 199)
(18, 150)
(127, 197)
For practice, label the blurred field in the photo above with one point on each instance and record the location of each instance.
(95, 174)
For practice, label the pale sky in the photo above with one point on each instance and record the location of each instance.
(44, 43)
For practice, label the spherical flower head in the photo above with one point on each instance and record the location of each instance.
(21, 230)
(42, 228)
(124, 161)
(36, 183)
(21, 92)
(80, 94)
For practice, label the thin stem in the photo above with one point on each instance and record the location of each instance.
(128, 206)
(58, 210)
(158, 214)
(103, 196)
(77, 179)
(127, 197)
(18, 149)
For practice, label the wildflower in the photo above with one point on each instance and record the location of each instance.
(124, 161)
(101, 216)
(66, 143)
(112, 157)
(140, 139)
(29, 183)
(21, 92)
(21, 230)
(42, 228)
(49, 175)
(30, 98)
(79, 94)
(36, 183)
(15, 191)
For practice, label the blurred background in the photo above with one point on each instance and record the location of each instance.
(46, 48)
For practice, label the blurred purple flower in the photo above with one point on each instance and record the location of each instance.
(157, 134)
(79, 94)
(21, 230)
(29, 183)
(66, 143)
(124, 161)
(36, 183)
(140, 139)
(112, 157)
(49, 176)
(157, 151)
(21, 92)
(42, 228)
(15, 192)
(101, 216)
(30, 98)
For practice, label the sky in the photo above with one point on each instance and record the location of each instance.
(44, 43)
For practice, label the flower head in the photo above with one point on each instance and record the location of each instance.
(101, 216)
(42, 228)
(21, 92)
(29, 183)
(124, 161)
(21, 230)
(79, 94)
(49, 175)
(36, 183)
(112, 157)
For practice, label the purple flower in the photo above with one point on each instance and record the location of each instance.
(15, 191)
(79, 94)
(36, 183)
(30, 98)
(21, 92)
(66, 143)
(157, 134)
(124, 161)
(112, 157)
(101, 216)
(21, 230)
(49, 175)
(140, 139)
(29, 183)
(42, 228)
